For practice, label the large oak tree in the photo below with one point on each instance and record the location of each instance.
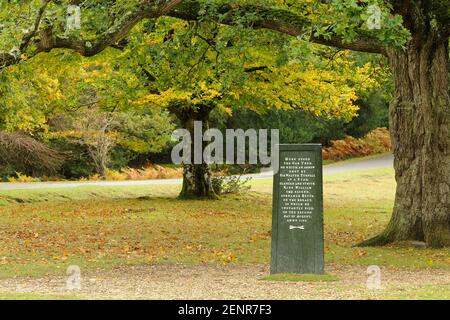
(196, 68)
(419, 113)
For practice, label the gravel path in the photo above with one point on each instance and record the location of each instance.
(229, 282)
(384, 161)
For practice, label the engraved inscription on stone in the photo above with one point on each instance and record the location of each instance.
(297, 221)
(297, 183)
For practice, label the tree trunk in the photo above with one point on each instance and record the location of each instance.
(197, 181)
(420, 130)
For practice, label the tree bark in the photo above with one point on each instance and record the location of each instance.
(420, 130)
(197, 181)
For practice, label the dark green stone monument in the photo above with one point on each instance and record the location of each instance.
(297, 214)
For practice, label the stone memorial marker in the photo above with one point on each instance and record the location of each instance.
(297, 214)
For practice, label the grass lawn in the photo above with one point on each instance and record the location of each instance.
(44, 231)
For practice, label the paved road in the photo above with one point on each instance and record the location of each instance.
(385, 161)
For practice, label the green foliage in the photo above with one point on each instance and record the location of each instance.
(300, 127)
(231, 184)
(46, 95)
(373, 113)
(303, 126)
(263, 79)
(78, 163)
(26, 98)
(145, 133)
(193, 65)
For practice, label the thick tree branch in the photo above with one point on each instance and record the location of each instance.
(278, 20)
(45, 39)
(147, 9)
(27, 38)
(362, 44)
(14, 56)
(254, 69)
(9, 58)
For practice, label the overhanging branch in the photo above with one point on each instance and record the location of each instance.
(14, 56)
(362, 44)
(45, 40)
(278, 20)
(86, 47)
(27, 37)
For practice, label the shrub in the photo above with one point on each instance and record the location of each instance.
(23, 153)
(230, 184)
(153, 172)
(375, 142)
(147, 173)
(114, 175)
(22, 178)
